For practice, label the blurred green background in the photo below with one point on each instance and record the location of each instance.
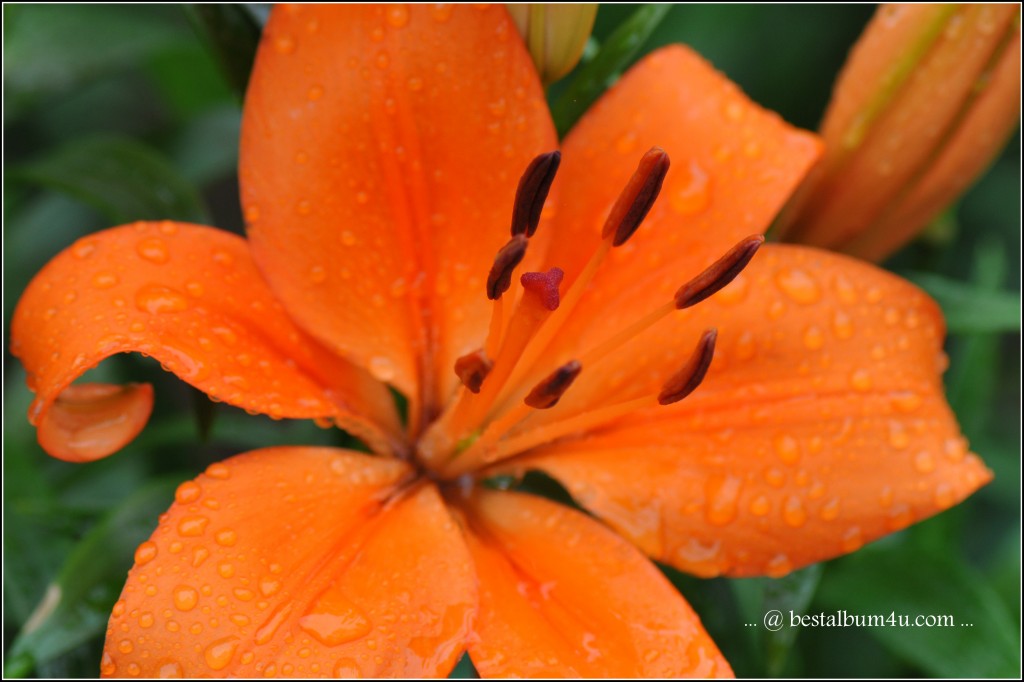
(116, 113)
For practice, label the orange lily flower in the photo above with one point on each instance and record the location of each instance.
(383, 156)
(929, 96)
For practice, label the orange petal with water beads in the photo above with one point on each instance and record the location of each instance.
(296, 562)
(90, 421)
(540, 566)
(381, 149)
(734, 165)
(190, 297)
(820, 426)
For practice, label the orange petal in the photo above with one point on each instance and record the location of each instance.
(296, 562)
(190, 297)
(900, 99)
(90, 421)
(733, 166)
(562, 596)
(381, 151)
(820, 426)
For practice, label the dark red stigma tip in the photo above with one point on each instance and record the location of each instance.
(544, 285)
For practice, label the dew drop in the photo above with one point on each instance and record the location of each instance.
(778, 566)
(189, 491)
(760, 506)
(721, 493)
(105, 280)
(226, 538)
(192, 526)
(146, 620)
(924, 462)
(814, 339)
(787, 448)
(155, 299)
(382, 368)
(793, 512)
(219, 654)
(107, 665)
(284, 44)
(145, 553)
(397, 16)
(153, 249)
(694, 195)
(170, 670)
(798, 285)
(269, 586)
(199, 555)
(243, 594)
(335, 620)
(304, 207)
(830, 510)
(861, 380)
(83, 248)
(944, 497)
(314, 93)
(218, 470)
(125, 647)
(317, 274)
(185, 598)
(898, 436)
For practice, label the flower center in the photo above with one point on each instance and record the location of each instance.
(510, 378)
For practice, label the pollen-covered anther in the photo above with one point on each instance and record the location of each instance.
(532, 192)
(636, 199)
(472, 369)
(509, 256)
(719, 274)
(692, 374)
(548, 392)
(544, 285)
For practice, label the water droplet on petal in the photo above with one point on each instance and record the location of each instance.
(722, 493)
(334, 620)
(787, 448)
(861, 380)
(170, 670)
(155, 299)
(153, 249)
(145, 552)
(381, 368)
(107, 665)
(189, 491)
(218, 470)
(185, 598)
(273, 624)
(798, 285)
(397, 16)
(219, 654)
(192, 526)
(814, 339)
(695, 193)
(793, 512)
(924, 462)
(83, 248)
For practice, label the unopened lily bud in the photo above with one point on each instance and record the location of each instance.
(554, 34)
(926, 100)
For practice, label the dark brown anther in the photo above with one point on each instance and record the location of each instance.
(548, 392)
(533, 192)
(719, 274)
(509, 256)
(636, 199)
(472, 369)
(689, 377)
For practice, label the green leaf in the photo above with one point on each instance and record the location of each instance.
(981, 642)
(49, 48)
(971, 309)
(232, 34)
(119, 176)
(760, 598)
(590, 80)
(77, 604)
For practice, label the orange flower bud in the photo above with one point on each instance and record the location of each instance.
(926, 100)
(554, 34)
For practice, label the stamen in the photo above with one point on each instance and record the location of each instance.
(692, 374)
(472, 369)
(719, 274)
(509, 256)
(637, 198)
(548, 392)
(533, 192)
